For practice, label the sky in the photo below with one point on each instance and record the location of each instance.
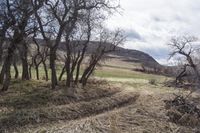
(149, 24)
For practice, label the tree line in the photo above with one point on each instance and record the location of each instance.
(77, 24)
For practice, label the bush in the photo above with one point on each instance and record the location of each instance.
(152, 81)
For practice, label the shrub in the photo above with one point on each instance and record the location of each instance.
(152, 81)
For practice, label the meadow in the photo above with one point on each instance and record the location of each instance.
(115, 100)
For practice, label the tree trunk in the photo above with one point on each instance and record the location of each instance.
(192, 64)
(62, 73)
(54, 81)
(2, 39)
(37, 72)
(74, 64)
(3, 72)
(88, 71)
(77, 74)
(25, 73)
(30, 71)
(84, 75)
(16, 69)
(78, 71)
(7, 64)
(6, 83)
(1, 51)
(68, 81)
(88, 75)
(45, 70)
(79, 64)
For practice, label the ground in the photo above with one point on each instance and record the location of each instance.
(116, 100)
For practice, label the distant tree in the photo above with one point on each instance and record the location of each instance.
(74, 21)
(76, 46)
(40, 57)
(37, 60)
(30, 64)
(44, 56)
(107, 43)
(64, 14)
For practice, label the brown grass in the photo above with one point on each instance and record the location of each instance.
(101, 107)
(41, 106)
(146, 115)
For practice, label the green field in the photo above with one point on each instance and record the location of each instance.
(102, 72)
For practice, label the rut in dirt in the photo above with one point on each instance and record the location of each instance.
(21, 118)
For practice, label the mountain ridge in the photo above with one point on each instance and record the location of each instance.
(129, 55)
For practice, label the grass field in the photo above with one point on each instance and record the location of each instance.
(102, 72)
(116, 100)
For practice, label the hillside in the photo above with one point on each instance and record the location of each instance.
(128, 55)
(136, 56)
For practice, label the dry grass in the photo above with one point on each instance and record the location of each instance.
(110, 106)
(146, 115)
(40, 105)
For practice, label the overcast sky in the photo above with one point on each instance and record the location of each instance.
(149, 24)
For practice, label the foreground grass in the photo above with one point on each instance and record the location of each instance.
(33, 103)
(146, 115)
(102, 106)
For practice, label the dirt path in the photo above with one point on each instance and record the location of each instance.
(145, 115)
(115, 119)
(46, 117)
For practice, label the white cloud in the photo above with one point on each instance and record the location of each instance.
(155, 21)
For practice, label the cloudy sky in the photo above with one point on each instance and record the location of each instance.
(149, 24)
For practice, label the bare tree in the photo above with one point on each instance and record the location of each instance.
(186, 47)
(23, 54)
(76, 46)
(15, 68)
(64, 14)
(38, 58)
(44, 56)
(6, 21)
(108, 42)
(63, 70)
(30, 64)
(20, 12)
(53, 20)
(37, 61)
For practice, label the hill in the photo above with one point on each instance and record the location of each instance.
(127, 55)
